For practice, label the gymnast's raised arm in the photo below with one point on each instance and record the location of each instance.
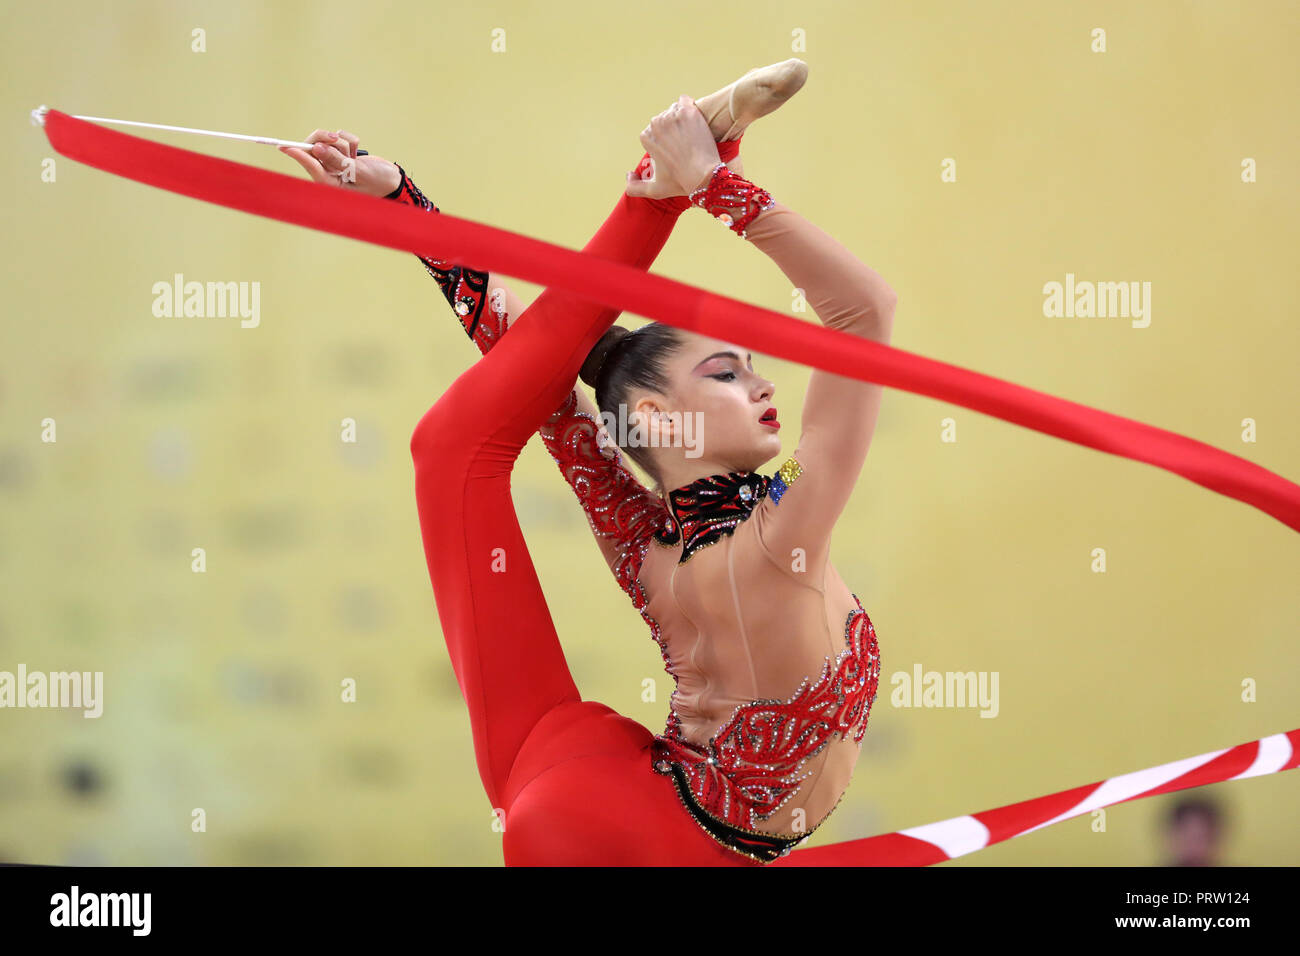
(839, 414)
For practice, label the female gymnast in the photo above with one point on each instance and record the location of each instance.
(775, 661)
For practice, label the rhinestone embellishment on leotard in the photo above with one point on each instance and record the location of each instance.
(751, 765)
(727, 190)
(783, 479)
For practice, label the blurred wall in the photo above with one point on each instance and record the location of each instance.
(222, 688)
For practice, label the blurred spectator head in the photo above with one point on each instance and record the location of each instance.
(1193, 831)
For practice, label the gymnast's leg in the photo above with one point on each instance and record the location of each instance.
(502, 642)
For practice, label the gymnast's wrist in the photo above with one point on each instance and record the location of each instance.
(702, 180)
(408, 194)
(395, 176)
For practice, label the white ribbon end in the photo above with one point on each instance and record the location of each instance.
(38, 115)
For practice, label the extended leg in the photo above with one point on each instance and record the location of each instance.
(502, 641)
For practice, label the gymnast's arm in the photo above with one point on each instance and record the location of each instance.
(839, 414)
(622, 512)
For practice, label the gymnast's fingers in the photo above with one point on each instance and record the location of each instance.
(314, 169)
(331, 157)
(322, 136)
(352, 142)
(312, 162)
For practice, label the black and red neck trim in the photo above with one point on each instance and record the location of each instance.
(708, 509)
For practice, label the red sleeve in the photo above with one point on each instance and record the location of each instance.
(623, 513)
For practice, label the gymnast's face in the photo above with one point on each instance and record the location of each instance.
(722, 408)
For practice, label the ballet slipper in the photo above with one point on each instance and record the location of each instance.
(759, 92)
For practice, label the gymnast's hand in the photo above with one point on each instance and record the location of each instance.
(333, 160)
(682, 153)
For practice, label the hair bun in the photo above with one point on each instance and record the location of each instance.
(591, 367)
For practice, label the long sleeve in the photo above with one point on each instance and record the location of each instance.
(622, 512)
(839, 414)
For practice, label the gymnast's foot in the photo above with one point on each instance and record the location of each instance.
(759, 92)
(727, 113)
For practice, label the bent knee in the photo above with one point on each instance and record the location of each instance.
(433, 441)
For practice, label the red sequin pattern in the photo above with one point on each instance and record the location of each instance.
(752, 764)
(732, 199)
(617, 505)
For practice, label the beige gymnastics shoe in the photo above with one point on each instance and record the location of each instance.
(757, 93)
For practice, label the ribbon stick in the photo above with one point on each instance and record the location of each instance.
(39, 114)
(949, 839)
(620, 286)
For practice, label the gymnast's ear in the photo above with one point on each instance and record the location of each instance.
(652, 411)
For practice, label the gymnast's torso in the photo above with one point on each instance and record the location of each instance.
(776, 663)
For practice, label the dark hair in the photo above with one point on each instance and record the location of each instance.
(623, 361)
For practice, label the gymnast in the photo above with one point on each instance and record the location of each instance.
(775, 661)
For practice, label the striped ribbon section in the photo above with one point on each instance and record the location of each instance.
(949, 839)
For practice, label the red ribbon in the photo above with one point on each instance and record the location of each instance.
(616, 285)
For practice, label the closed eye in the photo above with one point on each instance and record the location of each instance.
(721, 379)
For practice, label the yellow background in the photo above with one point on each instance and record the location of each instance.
(222, 688)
